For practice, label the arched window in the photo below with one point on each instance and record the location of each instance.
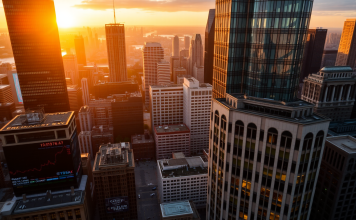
(251, 131)
(217, 118)
(308, 141)
(319, 139)
(223, 122)
(286, 139)
(239, 128)
(272, 136)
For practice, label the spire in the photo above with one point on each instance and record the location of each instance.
(113, 4)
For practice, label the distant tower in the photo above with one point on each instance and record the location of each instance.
(175, 46)
(186, 42)
(347, 49)
(163, 72)
(196, 56)
(209, 48)
(80, 50)
(35, 42)
(71, 68)
(85, 91)
(115, 41)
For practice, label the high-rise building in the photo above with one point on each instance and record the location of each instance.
(127, 115)
(85, 142)
(189, 179)
(346, 55)
(163, 73)
(186, 42)
(5, 94)
(243, 63)
(175, 63)
(115, 163)
(329, 58)
(85, 91)
(198, 73)
(37, 54)
(178, 72)
(100, 135)
(143, 146)
(332, 90)
(75, 98)
(166, 105)
(197, 105)
(196, 53)
(80, 50)
(175, 46)
(85, 119)
(209, 48)
(42, 152)
(152, 54)
(106, 89)
(173, 138)
(71, 68)
(101, 112)
(335, 192)
(313, 52)
(6, 110)
(116, 47)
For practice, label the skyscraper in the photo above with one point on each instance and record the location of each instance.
(313, 52)
(262, 56)
(175, 46)
(71, 68)
(85, 91)
(209, 47)
(186, 42)
(80, 50)
(35, 42)
(347, 49)
(115, 41)
(163, 73)
(196, 53)
(153, 53)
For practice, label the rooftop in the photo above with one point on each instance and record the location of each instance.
(152, 44)
(84, 109)
(166, 86)
(333, 69)
(345, 143)
(176, 209)
(113, 154)
(178, 167)
(347, 127)
(4, 86)
(142, 138)
(164, 129)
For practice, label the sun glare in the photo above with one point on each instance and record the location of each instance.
(65, 20)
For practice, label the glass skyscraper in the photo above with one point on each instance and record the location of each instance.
(259, 47)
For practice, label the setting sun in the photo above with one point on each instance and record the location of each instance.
(65, 20)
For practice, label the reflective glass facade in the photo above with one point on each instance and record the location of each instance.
(259, 47)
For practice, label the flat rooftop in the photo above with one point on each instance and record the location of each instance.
(187, 166)
(166, 129)
(113, 155)
(166, 86)
(34, 120)
(176, 209)
(142, 139)
(333, 69)
(345, 143)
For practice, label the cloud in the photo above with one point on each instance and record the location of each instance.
(150, 5)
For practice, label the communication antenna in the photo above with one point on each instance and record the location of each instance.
(113, 5)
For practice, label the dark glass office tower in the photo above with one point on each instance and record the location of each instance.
(209, 48)
(80, 50)
(35, 42)
(259, 47)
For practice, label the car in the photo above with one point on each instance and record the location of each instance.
(139, 196)
(154, 188)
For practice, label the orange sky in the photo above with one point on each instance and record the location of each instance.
(75, 13)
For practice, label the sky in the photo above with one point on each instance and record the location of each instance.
(96, 13)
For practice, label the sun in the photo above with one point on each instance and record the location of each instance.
(65, 20)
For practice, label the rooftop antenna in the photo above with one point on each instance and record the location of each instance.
(113, 4)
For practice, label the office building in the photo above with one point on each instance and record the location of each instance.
(313, 52)
(101, 135)
(5, 94)
(40, 71)
(15, 87)
(143, 145)
(166, 105)
(198, 73)
(152, 54)
(70, 203)
(175, 46)
(196, 111)
(196, 53)
(335, 194)
(186, 42)
(184, 53)
(4, 80)
(127, 115)
(163, 73)
(38, 159)
(244, 64)
(116, 47)
(85, 119)
(85, 145)
(6, 110)
(175, 63)
(71, 69)
(88, 171)
(80, 50)
(209, 47)
(183, 178)
(329, 58)
(181, 210)
(332, 91)
(101, 112)
(106, 89)
(85, 91)
(342, 128)
(180, 79)
(346, 55)
(178, 72)
(171, 139)
(75, 98)
(115, 163)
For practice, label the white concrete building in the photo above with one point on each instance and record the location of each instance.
(85, 118)
(166, 103)
(71, 70)
(171, 139)
(183, 179)
(152, 54)
(85, 91)
(163, 73)
(85, 143)
(196, 111)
